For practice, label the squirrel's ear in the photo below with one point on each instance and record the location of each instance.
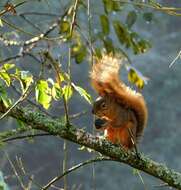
(102, 94)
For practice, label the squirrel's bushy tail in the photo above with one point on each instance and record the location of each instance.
(105, 80)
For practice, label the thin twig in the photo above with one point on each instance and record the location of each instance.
(73, 17)
(39, 14)
(11, 58)
(31, 23)
(56, 67)
(25, 136)
(133, 140)
(65, 163)
(13, 132)
(175, 59)
(34, 182)
(158, 7)
(141, 178)
(161, 185)
(30, 183)
(98, 159)
(23, 96)
(15, 172)
(90, 30)
(89, 40)
(34, 40)
(11, 25)
(65, 145)
(20, 164)
(76, 115)
(15, 6)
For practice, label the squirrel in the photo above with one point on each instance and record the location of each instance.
(120, 111)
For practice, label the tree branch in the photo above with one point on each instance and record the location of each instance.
(55, 127)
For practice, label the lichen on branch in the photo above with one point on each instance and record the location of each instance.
(44, 123)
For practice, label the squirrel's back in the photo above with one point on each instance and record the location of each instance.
(105, 80)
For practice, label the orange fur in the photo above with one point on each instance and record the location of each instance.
(125, 108)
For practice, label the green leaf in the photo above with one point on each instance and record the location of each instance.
(108, 6)
(56, 91)
(139, 45)
(26, 78)
(104, 24)
(79, 58)
(20, 123)
(62, 76)
(43, 94)
(3, 97)
(148, 17)
(130, 39)
(108, 44)
(98, 53)
(1, 23)
(67, 92)
(5, 76)
(116, 6)
(111, 5)
(131, 18)
(65, 76)
(144, 46)
(8, 66)
(83, 93)
(79, 52)
(64, 26)
(6, 101)
(81, 148)
(75, 48)
(3, 185)
(135, 171)
(122, 33)
(134, 78)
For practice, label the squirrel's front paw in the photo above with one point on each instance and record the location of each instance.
(102, 137)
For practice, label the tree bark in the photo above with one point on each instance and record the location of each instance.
(72, 133)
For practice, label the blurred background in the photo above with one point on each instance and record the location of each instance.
(42, 156)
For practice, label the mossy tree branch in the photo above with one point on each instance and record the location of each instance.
(40, 121)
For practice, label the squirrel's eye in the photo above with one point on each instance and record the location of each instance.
(103, 105)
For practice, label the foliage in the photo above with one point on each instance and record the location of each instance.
(70, 33)
(3, 185)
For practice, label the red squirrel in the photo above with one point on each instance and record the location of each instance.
(121, 112)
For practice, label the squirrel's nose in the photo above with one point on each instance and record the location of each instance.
(99, 123)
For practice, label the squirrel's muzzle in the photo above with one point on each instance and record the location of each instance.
(100, 123)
